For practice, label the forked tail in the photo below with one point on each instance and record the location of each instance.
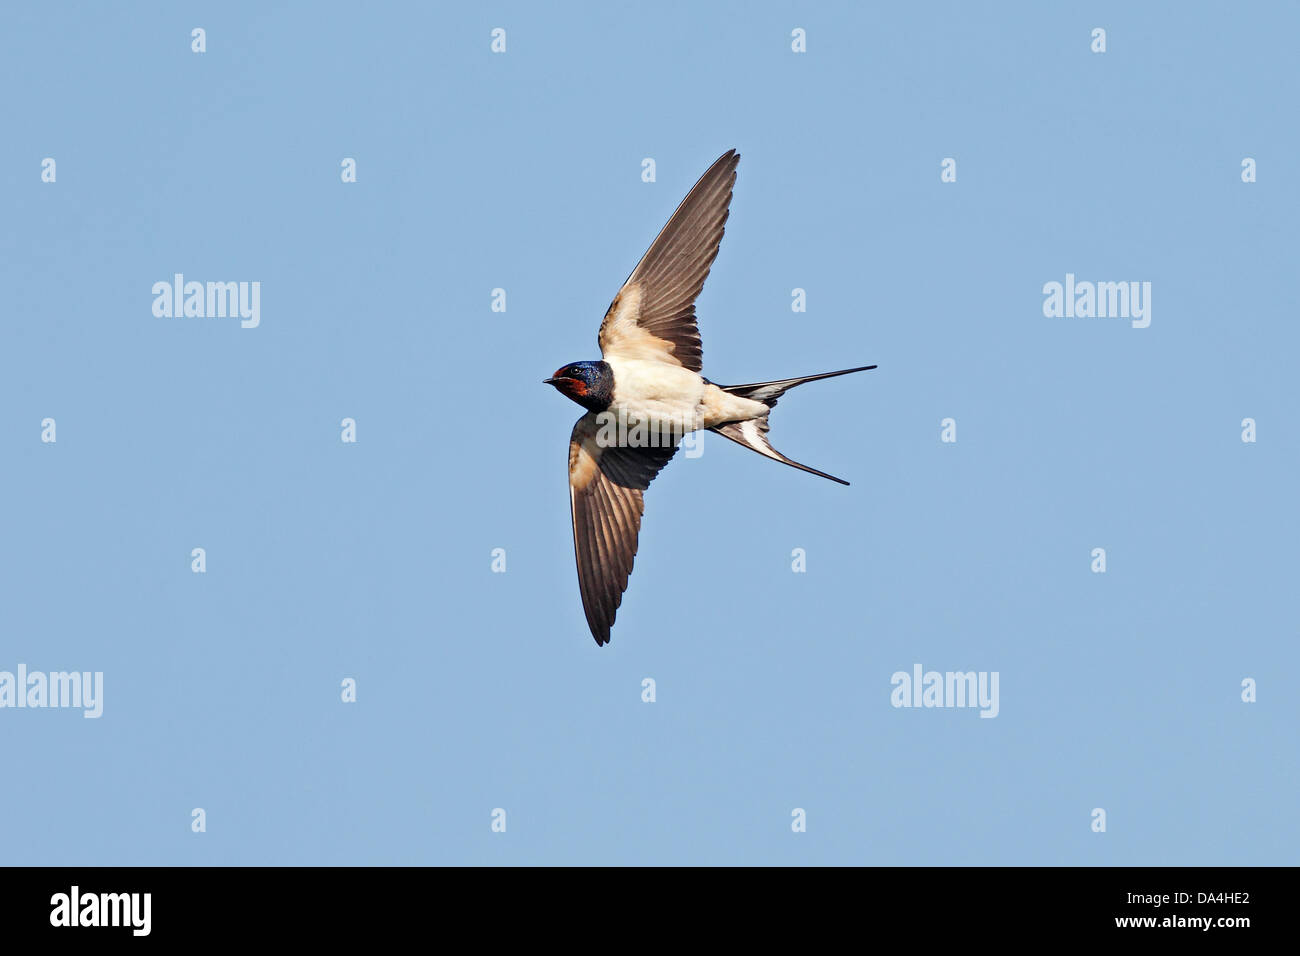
(753, 433)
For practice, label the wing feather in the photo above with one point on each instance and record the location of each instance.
(605, 491)
(653, 315)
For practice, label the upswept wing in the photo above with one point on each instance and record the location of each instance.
(653, 316)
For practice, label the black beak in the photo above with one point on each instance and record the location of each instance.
(549, 381)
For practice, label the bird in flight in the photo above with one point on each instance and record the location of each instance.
(647, 393)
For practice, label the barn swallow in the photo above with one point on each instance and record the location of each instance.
(647, 393)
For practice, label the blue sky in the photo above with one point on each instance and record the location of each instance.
(522, 170)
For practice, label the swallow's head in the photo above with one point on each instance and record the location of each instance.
(590, 384)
